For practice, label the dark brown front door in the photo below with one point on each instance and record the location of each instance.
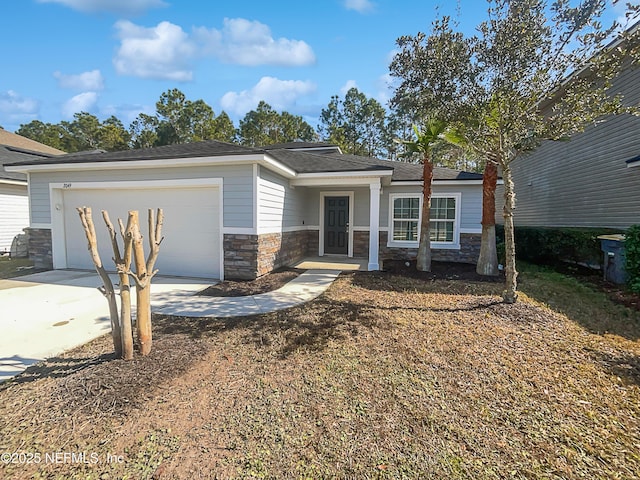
(336, 225)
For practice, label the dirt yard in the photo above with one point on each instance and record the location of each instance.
(383, 376)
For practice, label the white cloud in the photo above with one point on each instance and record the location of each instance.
(166, 51)
(361, 6)
(161, 52)
(83, 102)
(348, 86)
(280, 94)
(83, 82)
(246, 42)
(11, 103)
(16, 109)
(126, 7)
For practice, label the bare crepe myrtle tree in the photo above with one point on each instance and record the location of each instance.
(107, 289)
(121, 325)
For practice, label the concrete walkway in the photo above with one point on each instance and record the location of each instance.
(304, 288)
(45, 314)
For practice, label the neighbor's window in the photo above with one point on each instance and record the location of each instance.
(406, 219)
(406, 216)
(443, 218)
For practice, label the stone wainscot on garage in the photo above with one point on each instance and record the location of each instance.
(240, 212)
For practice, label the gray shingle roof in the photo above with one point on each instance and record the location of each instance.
(24, 143)
(16, 155)
(185, 150)
(307, 162)
(299, 161)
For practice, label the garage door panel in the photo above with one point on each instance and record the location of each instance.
(191, 245)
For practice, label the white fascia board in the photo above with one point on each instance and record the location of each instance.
(311, 149)
(6, 181)
(633, 164)
(339, 178)
(272, 164)
(133, 164)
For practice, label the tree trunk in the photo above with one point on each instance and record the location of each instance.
(488, 259)
(123, 265)
(144, 272)
(423, 261)
(143, 291)
(108, 291)
(510, 294)
(125, 295)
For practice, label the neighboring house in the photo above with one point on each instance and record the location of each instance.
(14, 200)
(240, 212)
(593, 180)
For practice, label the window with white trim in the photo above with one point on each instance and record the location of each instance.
(405, 217)
(443, 219)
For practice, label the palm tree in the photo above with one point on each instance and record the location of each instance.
(435, 132)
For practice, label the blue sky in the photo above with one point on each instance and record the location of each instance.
(115, 57)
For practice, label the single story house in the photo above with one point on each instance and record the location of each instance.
(14, 200)
(239, 212)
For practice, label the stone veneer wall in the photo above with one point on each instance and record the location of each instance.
(250, 256)
(361, 244)
(276, 250)
(240, 256)
(468, 253)
(40, 247)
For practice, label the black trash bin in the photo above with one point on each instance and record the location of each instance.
(614, 259)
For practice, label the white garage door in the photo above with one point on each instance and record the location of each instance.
(191, 228)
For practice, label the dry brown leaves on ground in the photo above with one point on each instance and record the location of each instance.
(240, 288)
(381, 377)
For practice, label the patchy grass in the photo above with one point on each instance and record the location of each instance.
(584, 302)
(14, 267)
(383, 376)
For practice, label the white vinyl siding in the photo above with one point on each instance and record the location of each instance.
(279, 205)
(14, 213)
(238, 187)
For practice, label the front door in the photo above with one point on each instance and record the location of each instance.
(336, 225)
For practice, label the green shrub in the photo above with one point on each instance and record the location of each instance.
(632, 254)
(546, 245)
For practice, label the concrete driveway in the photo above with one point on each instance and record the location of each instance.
(45, 314)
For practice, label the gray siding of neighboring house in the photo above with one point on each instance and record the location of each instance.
(14, 213)
(279, 205)
(237, 187)
(584, 182)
